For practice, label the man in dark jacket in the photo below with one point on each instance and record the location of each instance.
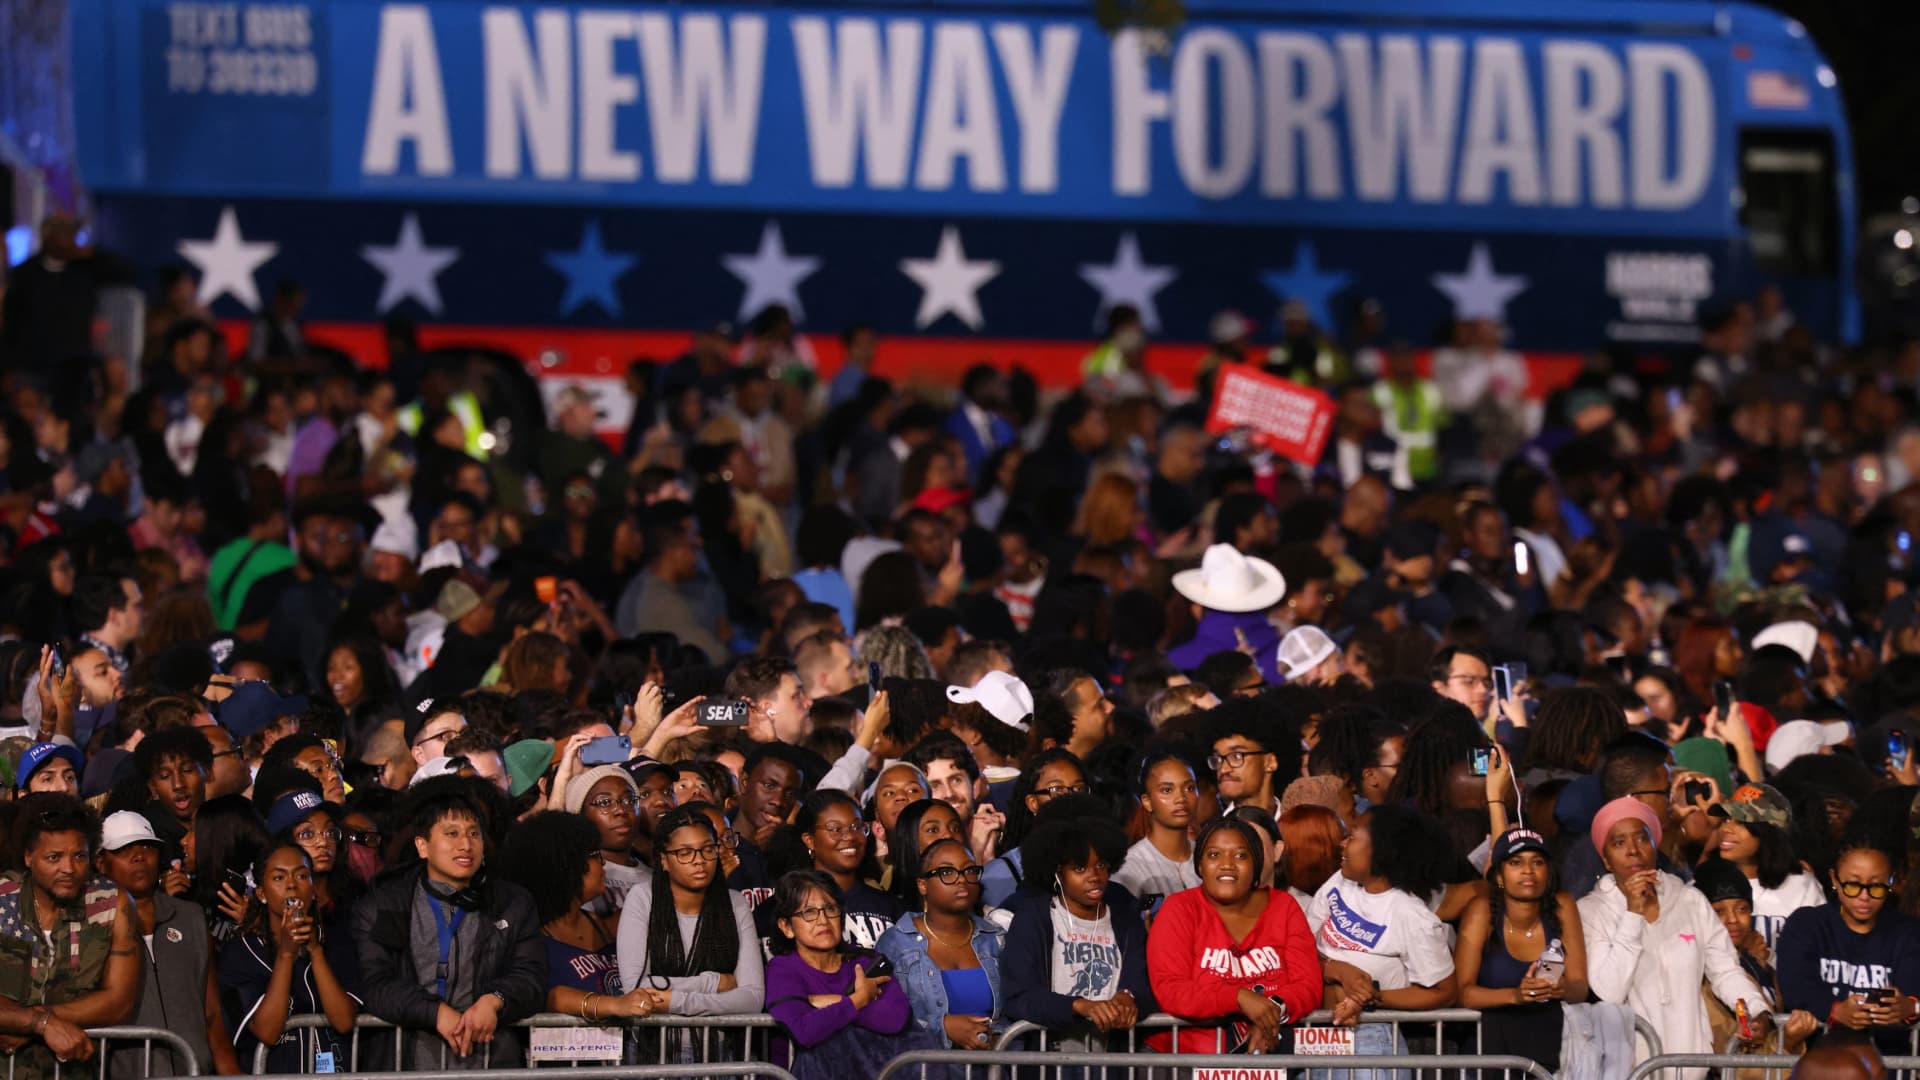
(444, 950)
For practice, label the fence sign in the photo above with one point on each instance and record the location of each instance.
(1323, 1041)
(573, 1044)
(1293, 421)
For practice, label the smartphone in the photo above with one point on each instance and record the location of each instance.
(1482, 760)
(1520, 557)
(724, 713)
(1723, 698)
(547, 589)
(237, 879)
(607, 750)
(873, 681)
(59, 662)
(880, 968)
(1879, 995)
(295, 907)
(1502, 682)
(1898, 752)
(1694, 790)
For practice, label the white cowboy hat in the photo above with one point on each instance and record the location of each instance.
(1230, 581)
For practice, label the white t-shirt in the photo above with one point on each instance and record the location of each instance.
(1389, 935)
(1772, 906)
(1086, 955)
(1152, 877)
(621, 880)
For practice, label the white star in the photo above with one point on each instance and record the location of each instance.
(227, 262)
(1128, 280)
(1479, 292)
(951, 284)
(410, 267)
(771, 275)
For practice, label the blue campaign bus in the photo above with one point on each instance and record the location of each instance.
(983, 178)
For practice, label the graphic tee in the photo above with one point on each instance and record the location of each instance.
(1086, 955)
(1390, 935)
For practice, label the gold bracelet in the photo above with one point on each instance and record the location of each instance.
(585, 1003)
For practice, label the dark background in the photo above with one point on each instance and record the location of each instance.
(1872, 47)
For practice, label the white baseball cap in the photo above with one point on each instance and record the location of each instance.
(124, 828)
(1303, 649)
(1002, 695)
(440, 766)
(444, 553)
(1800, 738)
(397, 536)
(1796, 634)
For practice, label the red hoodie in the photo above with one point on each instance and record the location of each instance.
(1198, 970)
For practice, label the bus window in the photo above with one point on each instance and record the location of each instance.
(1790, 210)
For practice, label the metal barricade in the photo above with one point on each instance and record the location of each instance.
(1401, 1021)
(104, 1040)
(587, 1072)
(699, 1036)
(1774, 1065)
(1106, 1066)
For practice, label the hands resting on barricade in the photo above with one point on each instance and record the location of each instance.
(466, 1030)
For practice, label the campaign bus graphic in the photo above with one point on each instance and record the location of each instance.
(983, 180)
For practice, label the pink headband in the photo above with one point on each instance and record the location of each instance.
(1619, 810)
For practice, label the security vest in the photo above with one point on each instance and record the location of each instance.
(1412, 416)
(472, 424)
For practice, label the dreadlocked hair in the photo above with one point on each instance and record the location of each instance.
(1350, 740)
(715, 945)
(1446, 737)
(1573, 724)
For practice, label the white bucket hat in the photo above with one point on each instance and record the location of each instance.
(1229, 581)
(1002, 695)
(1303, 649)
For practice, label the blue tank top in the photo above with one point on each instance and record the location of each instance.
(594, 970)
(968, 992)
(1498, 969)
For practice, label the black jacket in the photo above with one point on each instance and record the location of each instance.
(1026, 958)
(512, 954)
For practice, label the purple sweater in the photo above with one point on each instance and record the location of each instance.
(791, 980)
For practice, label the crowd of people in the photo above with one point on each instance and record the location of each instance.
(902, 714)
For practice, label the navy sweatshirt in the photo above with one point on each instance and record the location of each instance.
(1821, 961)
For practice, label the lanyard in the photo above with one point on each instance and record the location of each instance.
(446, 931)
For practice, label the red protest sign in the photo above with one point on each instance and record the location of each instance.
(1293, 421)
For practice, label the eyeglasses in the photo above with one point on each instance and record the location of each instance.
(1878, 890)
(1650, 793)
(1234, 758)
(818, 915)
(729, 839)
(687, 856)
(444, 733)
(608, 802)
(835, 830)
(218, 754)
(367, 837)
(1480, 681)
(308, 836)
(951, 875)
(1058, 790)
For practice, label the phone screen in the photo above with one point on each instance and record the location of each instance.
(1519, 557)
(1502, 682)
(873, 680)
(1723, 698)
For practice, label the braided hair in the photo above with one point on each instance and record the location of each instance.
(716, 945)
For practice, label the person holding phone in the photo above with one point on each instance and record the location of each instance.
(841, 1014)
(1521, 952)
(1855, 962)
(276, 968)
(1651, 938)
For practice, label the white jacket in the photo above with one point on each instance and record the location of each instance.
(1656, 968)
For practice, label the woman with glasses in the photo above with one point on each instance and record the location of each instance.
(278, 967)
(836, 843)
(1651, 938)
(1076, 951)
(840, 1020)
(607, 796)
(946, 956)
(1051, 774)
(1231, 952)
(1854, 963)
(687, 940)
(311, 755)
(918, 826)
(301, 818)
(557, 858)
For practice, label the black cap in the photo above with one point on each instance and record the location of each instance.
(1722, 880)
(1412, 539)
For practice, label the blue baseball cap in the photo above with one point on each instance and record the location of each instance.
(253, 706)
(296, 806)
(37, 755)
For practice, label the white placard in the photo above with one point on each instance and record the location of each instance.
(1323, 1041)
(574, 1044)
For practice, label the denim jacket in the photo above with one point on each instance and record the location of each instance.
(915, 971)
